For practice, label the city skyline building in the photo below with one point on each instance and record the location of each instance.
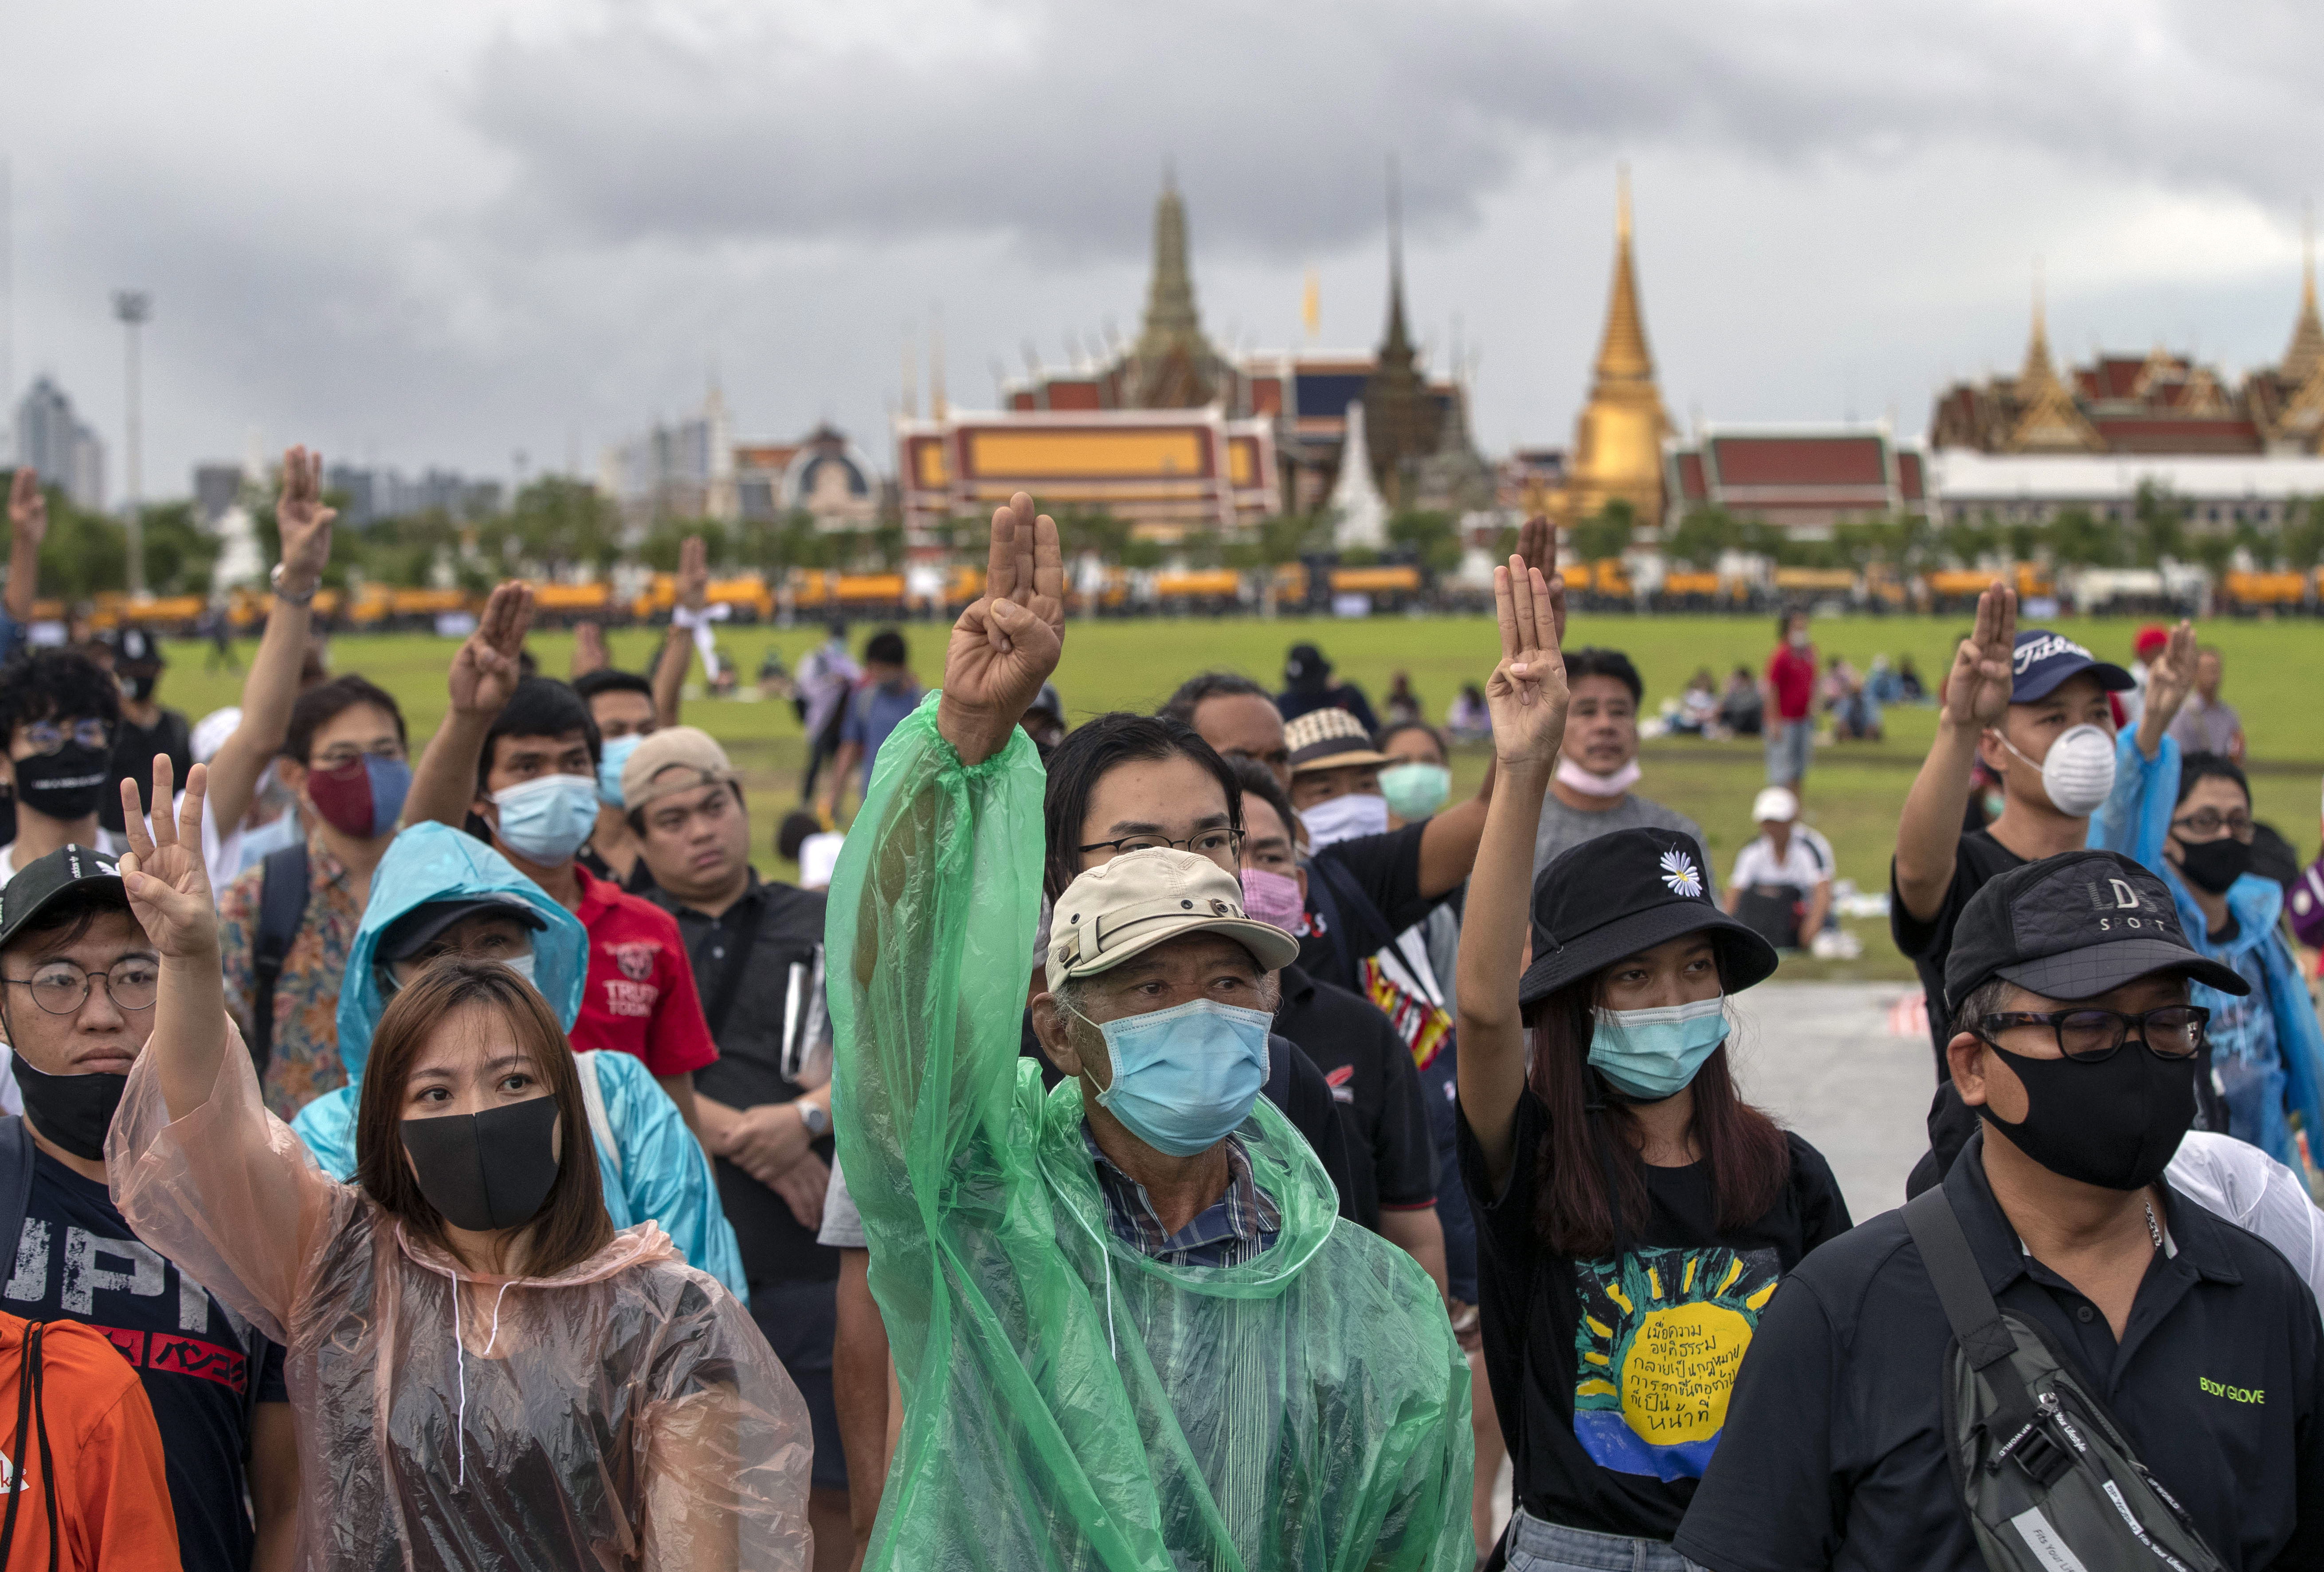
(62, 447)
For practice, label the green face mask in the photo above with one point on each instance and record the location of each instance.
(1415, 791)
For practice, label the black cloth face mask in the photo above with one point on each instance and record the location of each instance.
(2114, 1124)
(2211, 866)
(488, 1171)
(68, 784)
(75, 1111)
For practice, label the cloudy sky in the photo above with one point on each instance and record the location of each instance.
(448, 231)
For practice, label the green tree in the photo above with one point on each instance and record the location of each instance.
(1606, 533)
(2304, 534)
(1433, 537)
(2079, 537)
(2264, 545)
(1968, 541)
(1702, 536)
(179, 553)
(84, 553)
(2159, 521)
(2216, 551)
(562, 524)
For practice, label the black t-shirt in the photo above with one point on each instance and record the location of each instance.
(134, 748)
(1361, 894)
(1610, 1376)
(1376, 1088)
(640, 882)
(77, 1260)
(1835, 1455)
(775, 1002)
(1294, 1085)
(1979, 859)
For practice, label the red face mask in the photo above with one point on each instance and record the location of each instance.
(363, 798)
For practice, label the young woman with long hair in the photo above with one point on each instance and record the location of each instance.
(482, 1370)
(1634, 1214)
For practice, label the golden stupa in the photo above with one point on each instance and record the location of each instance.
(1617, 439)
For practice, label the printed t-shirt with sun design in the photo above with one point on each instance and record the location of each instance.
(1662, 1333)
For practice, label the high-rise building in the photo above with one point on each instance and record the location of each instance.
(217, 488)
(52, 439)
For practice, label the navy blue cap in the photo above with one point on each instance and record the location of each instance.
(2043, 660)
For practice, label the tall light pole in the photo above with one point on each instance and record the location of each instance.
(133, 307)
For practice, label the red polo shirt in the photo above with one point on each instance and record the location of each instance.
(1791, 672)
(641, 997)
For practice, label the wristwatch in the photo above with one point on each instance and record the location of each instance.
(816, 1117)
(274, 577)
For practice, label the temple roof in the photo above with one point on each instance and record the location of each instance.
(1174, 361)
(2306, 353)
(1623, 353)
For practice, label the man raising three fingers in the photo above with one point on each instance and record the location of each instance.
(1126, 1330)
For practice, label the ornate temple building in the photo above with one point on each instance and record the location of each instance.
(1804, 478)
(2160, 402)
(1619, 436)
(1177, 437)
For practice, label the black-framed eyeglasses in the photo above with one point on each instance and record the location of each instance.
(2208, 821)
(60, 988)
(2172, 1032)
(1213, 843)
(46, 736)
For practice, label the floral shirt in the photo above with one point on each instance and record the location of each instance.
(304, 1063)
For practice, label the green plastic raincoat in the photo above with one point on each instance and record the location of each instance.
(1068, 1402)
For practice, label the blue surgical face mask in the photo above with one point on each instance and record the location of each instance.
(548, 818)
(1415, 791)
(614, 754)
(1185, 1078)
(1652, 1054)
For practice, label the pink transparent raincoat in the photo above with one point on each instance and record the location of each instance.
(628, 1413)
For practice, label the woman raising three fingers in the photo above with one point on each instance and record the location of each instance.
(1634, 1214)
(482, 1370)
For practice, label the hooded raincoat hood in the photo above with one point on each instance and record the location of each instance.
(650, 1163)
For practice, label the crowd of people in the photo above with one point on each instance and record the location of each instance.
(1202, 1137)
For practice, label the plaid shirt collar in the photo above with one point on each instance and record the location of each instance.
(1230, 1231)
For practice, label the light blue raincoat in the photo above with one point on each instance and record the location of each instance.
(650, 1163)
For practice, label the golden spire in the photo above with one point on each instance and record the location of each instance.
(2307, 352)
(2050, 421)
(1623, 354)
(2038, 372)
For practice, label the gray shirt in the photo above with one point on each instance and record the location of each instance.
(2202, 728)
(1563, 828)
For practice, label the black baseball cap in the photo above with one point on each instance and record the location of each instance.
(1622, 893)
(2074, 926)
(1306, 660)
(2041, 659)
(43, 879)
(410, 932)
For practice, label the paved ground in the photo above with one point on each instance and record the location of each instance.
(1821, 1057)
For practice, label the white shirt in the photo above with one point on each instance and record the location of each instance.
(1806, 862)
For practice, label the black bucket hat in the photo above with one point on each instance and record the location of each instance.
(1625, 892)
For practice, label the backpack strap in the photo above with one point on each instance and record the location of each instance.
(16, 1154)
(281, 907)
(1952, 1267)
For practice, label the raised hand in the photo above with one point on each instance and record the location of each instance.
(693, 574)
(1005, 644)
(589, 652)
(169, 887)
(304, 521)
(2171, 676)
(1976, 691)
(1537, 543)
(1527, 692)
(28, 506)
(484, 672)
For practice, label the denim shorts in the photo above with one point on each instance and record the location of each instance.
(1788, 742)
(1534, 1546)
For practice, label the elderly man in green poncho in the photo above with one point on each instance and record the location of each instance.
(1128, 1334)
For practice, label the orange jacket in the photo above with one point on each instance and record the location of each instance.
(113, 1498)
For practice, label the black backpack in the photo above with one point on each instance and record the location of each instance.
(2048, 1479)
(281, 907)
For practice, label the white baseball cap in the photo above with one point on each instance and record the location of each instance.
(1774, 806)
(1126, 906)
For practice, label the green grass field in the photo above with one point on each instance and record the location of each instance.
(1855, 791)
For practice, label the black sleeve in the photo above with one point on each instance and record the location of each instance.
(1351, 699)
(1387, 868)
(1406, 1158)
(1931, 939)
(1824, 1210)
(272, 1387)
(1308, 1105)
(1768, 1502)
(2306, 1545)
